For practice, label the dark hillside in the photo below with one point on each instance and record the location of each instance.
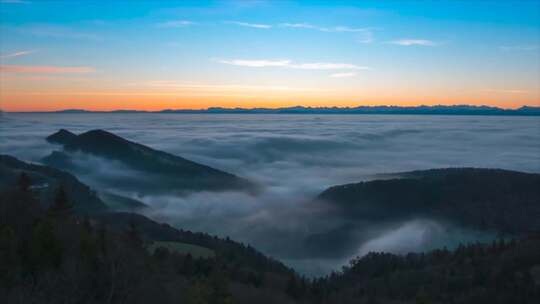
(160, 171)
(45, 181)
(502, 200)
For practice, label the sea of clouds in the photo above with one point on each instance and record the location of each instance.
(294, 157)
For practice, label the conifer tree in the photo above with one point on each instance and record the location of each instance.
(61, 205)
(24, 182)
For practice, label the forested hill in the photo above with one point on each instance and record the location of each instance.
(51, 254)
(157, 170)
(506, 201)
(54, 256)
(45, 181)
(501, 272)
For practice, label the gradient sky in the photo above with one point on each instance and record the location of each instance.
(104, 55)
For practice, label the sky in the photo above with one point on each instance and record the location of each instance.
(152, 55)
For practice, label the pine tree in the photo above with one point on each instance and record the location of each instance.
(24, 182)
(45, 248)
(199, 293)
(61, 205)
(134, 236)
(220, 288)
(293, 288)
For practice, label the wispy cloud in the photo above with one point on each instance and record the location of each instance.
(256, 63)
(413, 42)
(519, 48)
(334, 29)
(299, 25)
(289, 64)
(365, 34)
(16, 54)
(252, 25)
(44, 69)
(175, 23)
(328, 66)
(343, 75)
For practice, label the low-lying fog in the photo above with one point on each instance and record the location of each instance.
(295, 157)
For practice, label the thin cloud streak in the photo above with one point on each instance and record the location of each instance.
(335, 29)
(289, 64)
(365, 34)
(257, 63)
(252, 25)
(16, 54)
(43, 69)
(175, 24)
(343, 75)
(328, 66)
(413, 42)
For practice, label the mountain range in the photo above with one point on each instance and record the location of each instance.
(397, 110)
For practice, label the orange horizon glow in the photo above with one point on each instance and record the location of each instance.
(52, 93)
(43, 93)
(157, 102)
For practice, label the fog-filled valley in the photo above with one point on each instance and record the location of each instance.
(291, 159)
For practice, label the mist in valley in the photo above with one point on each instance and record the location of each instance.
(293, 158)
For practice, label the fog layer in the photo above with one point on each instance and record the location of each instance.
(294, 157)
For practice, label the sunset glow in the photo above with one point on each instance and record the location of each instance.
(195, 55)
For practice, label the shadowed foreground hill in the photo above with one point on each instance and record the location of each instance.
(45, 181)
(48, 254)
(158, 170)
(502, 200)
(52, 256)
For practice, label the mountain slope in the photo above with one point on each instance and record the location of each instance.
(160, 171)
(506, 201)
(108, 257)
(45, 181)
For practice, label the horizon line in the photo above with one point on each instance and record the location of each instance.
(216, 109)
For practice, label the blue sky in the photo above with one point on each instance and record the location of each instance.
(152, 54)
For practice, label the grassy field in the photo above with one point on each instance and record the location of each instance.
(183, 248)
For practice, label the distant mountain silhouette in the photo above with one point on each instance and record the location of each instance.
(502, 200)
(46, 181)
(159, 170)
(396, 110)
